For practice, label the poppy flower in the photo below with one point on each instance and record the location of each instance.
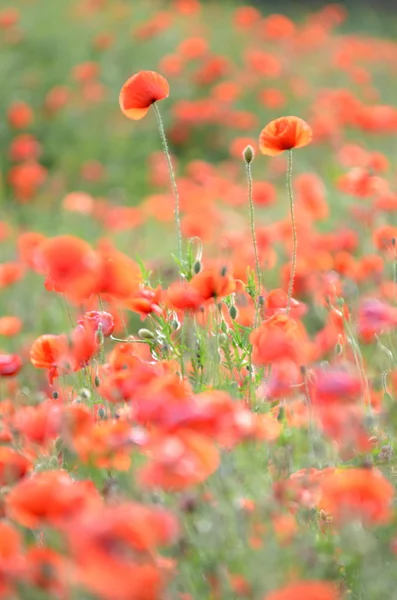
(47, 352)
(114, 551)
(363, 494)
(10, 326)
(279, 338)
(49, 497)
(10, 364)
(305, 590)
(180, 461)
(70, 264)
(141, 91)
(283, 134)
(213, 283)
(98, 319)
(13, 465)
(46, 570)
(11, 559)
(20, 115)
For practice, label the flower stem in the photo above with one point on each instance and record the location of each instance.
(172, 178)
(254, 242)
(294, 234)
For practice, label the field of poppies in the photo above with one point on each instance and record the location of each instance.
(198, 304)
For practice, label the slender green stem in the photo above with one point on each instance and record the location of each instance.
(294, 234)
(172, 178)
(254, 242)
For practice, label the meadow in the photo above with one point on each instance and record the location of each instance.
(198, 302)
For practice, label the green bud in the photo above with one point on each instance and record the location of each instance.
(249, 154)
(146, 334)
(97, 381)
(197, 266)
(233, 312)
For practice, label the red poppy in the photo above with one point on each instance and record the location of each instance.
(13, 465)
(10, 326)
(20, 115)
(11, 559)
(180, 461)
(114, 551)
(99, 320)
(70, 264)
(48, 352)
(363, 494)
(213, 283)
(140, 91)
(279, 338)
(283, 134)
(49, 497)
(305, 590)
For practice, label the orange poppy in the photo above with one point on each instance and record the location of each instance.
(70, 264)
(283, 134)
(10, 326)
(180, 461)
(213, 283)
(13, 465)
(279, 338)
(140, 91)
(114, 551)
(305, 590)
(357, 493)
(47, 352)
(11, 559)
(49, 497)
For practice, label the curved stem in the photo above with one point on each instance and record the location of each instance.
(294, 235)
(172, 178)
(254, 242)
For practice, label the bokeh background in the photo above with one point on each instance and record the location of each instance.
(71, 163)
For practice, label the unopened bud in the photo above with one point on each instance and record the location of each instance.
(249, 154)
(146, 334)
(223, 271)
(55, 395)
(97, 381)
(233, 312)
(197, 266)
(101, 413)
(175, 324)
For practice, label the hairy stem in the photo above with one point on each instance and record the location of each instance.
(172, 178)
(294, 235)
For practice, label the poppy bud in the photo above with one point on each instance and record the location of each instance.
(146, 334)
(10, 364)
(223, 271)
(101, 413)
(233, 312)
(175, 324)
(97, 381)
(197, 266)
(55, 395)
(249, 154)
